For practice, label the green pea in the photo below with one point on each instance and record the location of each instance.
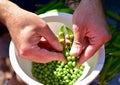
(57, 72)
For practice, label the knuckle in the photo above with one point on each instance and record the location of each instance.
(107, 37)
(24, 52)
(44, 25)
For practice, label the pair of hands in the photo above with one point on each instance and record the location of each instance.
(89, 27)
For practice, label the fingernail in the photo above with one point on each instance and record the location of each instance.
(78, 65)
(60, 47)
(75, 50)
(61, 57)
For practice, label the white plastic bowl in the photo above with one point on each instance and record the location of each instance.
(92, 67)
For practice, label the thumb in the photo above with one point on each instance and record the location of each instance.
(52, 39)
(89, 52)
(78, 41)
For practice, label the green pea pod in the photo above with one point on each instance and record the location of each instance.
(117, 38)
(57, 72)
(116, 42)
(112, 14)
(113, 72)
(115, 64)
(109, 50)
(58, 5)
(116, 45)
(55, 6)
(112, 28)
(66, 10)
(45, 7)
(114, 69)
(70, 34)
(116, 53)
(104, 82)
(108, 44)
(106, 67)
(61, 35)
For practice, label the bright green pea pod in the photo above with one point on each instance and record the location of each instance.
(61, 35)
(51, 5)
(66, 10)
(61, 41)
(70, 32)
(58, 5)
(61, 30)
(45, 7)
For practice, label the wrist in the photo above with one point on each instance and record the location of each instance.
(8, 10)
(96, 4)
(92, 1)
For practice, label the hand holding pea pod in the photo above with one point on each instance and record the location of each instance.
(56, 72)
(30, 30)
(90, 30)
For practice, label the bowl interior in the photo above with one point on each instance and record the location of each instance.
(55, 20)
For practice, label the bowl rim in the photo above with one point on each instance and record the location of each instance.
(17, 67)
(49, 14)
(26, 78)
(30, 81)
(94, 74)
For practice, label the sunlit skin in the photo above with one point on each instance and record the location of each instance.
(26, 29)
(90, 29)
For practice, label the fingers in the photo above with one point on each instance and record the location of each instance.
(47, 56)
(93, 45)
(85, 44)
(78, 41)
(41, 55)
(89, 51)
(51, 38)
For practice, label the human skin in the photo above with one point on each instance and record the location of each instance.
(90, 29)
(26, 30)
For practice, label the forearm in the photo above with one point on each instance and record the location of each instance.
(96, 4)
(91, 7)
(7, 11)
